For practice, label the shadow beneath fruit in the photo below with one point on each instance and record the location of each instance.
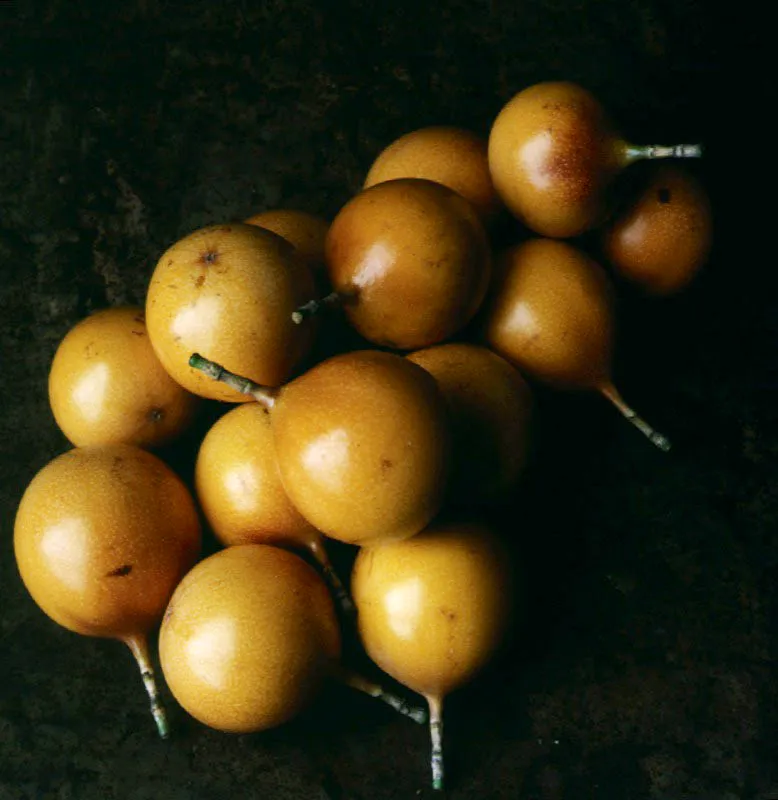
(544, 526)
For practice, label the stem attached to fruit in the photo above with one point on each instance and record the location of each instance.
(609, 391)
(140, 650)
(335, 583)
(637, 152)
(264, 395)
(436, 735)
(356, 681)
(314, 306)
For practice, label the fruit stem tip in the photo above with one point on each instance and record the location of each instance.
(362, 684)
(139, 649)
(313, 307)
(264, 395)
(436, 736)
(611, 393)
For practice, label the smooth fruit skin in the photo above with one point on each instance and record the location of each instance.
(239, 485)
(552, 155)
(107, 386)
(490, 407)
(228, 292)
(306, 232)
(102, 536)
(248, 638)
(455, 157)
(363, 446)
(663, 237)
(433, 610)
(412, 260)
(551, 315)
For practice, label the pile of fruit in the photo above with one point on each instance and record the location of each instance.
(374, 447)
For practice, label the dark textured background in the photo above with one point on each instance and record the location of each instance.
(647, 666)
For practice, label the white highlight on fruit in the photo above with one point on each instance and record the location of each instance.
(89, 392)
(210, 651)
(403, 604)
(373, 265)
(326, 459)
(242, 486)
(197, 321)
(66, 548)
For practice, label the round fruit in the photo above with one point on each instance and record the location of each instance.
(433, 610)
(663, 237)
(106, 385)
(551, 314)
(362, 441)
(455, 157)
(240, 490)
(410, 260)
(239, 486)
(553, 154)
(304, 231)
(102, 536)
(248, 638)
(490, 406)
(229, 291)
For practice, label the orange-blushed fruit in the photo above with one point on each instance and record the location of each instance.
(410, 260)
(554, 153)
(663, 236)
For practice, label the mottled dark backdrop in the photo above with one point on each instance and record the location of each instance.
(647, 668)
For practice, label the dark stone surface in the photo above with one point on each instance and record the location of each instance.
(647, 669)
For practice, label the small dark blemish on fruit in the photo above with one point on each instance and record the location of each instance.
(138, 333)
(664, 195)
(210, 257)
(156, 414)
(168, 612)
(120, 572)
(448, 614)
(170, 262)
(140, 318)
(199, 281)
(386, 464)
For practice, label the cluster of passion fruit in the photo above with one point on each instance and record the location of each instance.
(367, 446)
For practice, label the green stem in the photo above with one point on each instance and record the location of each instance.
(637, 152)
(335, 583)
(314, 306)
(264, 395)
(436, 737)
(140, 650)
(356, 681)
(610, 392)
